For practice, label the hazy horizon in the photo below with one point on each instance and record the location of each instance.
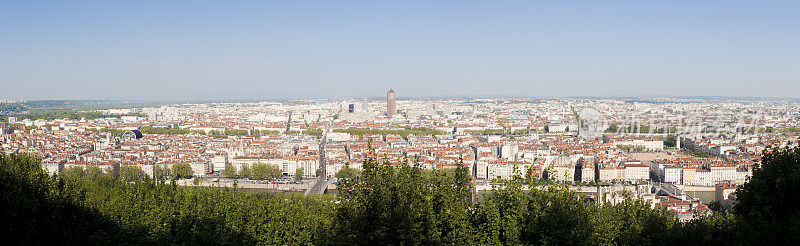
(252, 50)
(411, 98)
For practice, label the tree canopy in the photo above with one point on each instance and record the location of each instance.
(132, 173)
(388, 204)
(182, 170)
(298, 174)
(769, 201)
(348, 172)
(263, 171)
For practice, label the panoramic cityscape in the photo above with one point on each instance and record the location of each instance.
(438, 124)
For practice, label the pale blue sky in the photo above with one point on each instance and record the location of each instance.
(176, 50)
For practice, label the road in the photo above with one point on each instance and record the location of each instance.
(321, 184)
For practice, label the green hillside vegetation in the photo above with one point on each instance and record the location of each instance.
(64, 114)
(46, 106)
(384, 204)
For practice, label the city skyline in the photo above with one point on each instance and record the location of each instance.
(686, 161)
(198, 50)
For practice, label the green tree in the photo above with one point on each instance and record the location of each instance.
(161, 172)
(37, 209)
(264, 171)
(230, 170)
(132, 173)
(275, 171)
(613, 128)
(397, 203)
(245, 171)
(72, 173)
(259, 171)
(768, 202)
(182, 170)
(348, 172)
(670, 140)
(93, 173)
(401, 205)
(298, 174)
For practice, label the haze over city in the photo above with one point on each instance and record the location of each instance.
(220, 50)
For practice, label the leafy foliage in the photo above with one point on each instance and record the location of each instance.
(132, 173)
(182, 170)
(72, 173)
(402, 204)
(669, 140)
(37, 209)
(348, 172)
(298, 174)
(769, 202)
(66, 114)
(161, 172)
(230, 170)
(264, 171)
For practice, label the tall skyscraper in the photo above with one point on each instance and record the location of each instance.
(391, 104)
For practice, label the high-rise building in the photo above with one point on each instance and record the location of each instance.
(391, 104)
